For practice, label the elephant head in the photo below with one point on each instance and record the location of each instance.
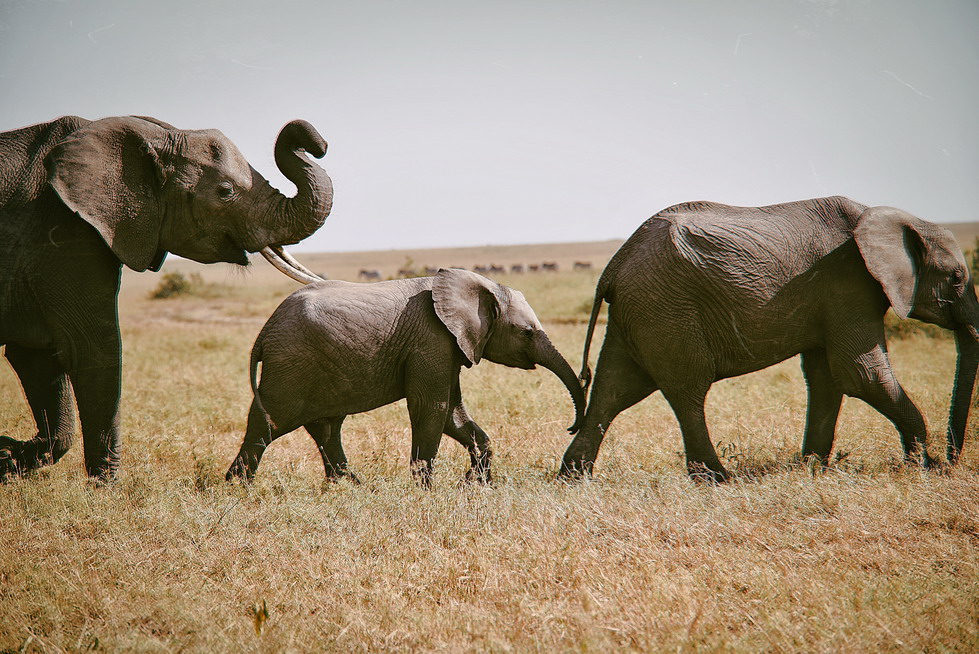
(924, 275)
(149, 188)
(495, 322)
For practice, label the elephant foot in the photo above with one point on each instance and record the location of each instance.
(575, 470)
(10, 467)
(813, 463)
(17, 458)
(703, 473)
(336, 476)
(936, 465)
(240, 472)
(921, 456)
(479, 475)
(480, 471)
(421, 472)
(103, 473)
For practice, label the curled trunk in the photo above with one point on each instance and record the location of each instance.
(550, 358)
(289, 220)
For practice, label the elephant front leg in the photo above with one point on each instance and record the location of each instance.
(869, 376)
(97, 392)
(428, 415)
(825, 399)
(462, 428)
(47, 390)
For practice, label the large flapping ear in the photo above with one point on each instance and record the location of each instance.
(109, 172)
(468, 305)
(894, 246)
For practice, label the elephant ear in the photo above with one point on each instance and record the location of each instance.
(468, 305)
(109, 172)
(895, 247)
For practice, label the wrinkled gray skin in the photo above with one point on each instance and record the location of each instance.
(336, 348)
(78, 200)
(703, 291)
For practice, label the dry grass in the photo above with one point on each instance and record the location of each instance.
(867, 555)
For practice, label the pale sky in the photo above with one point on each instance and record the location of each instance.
(473, 123)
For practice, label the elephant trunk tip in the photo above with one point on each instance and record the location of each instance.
(549, 357)
(300, 134)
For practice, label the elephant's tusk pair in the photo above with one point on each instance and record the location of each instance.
(287, 265)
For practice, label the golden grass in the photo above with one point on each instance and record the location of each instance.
(867, 555)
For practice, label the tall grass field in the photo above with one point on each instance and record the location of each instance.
(866, 555)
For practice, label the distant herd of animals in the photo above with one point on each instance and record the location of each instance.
(492, 269)
(700, 292)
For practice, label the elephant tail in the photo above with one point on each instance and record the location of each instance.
(585, 375)
(253, 374)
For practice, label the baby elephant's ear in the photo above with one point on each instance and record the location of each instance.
(468, 305)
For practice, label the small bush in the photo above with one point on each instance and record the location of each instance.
(972, 257)
(174, 284)
(894, 327)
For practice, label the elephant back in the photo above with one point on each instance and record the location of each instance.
(23, 176)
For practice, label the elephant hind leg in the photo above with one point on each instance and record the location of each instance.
(688, 405)
(619, 383)
(259, 434)
(462, 428)
(326, 433)
(48, 393)
(825, 399)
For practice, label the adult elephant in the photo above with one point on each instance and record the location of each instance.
(704, 291)
(78, 200)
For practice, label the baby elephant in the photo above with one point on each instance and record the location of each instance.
(334, 348)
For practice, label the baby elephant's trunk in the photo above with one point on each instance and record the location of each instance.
(548, 356)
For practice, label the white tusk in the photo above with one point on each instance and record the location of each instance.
(288, 258)
(274, 255)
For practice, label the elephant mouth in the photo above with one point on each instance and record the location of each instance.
(287, 265)
(240, 257)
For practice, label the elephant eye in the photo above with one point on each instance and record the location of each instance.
(958, 279)
(226, 190)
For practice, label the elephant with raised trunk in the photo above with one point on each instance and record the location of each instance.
(78, 200)
(704, 291)
(336, 348)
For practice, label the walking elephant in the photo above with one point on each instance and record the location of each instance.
(78, 200)
(703, 291)
(335, 348)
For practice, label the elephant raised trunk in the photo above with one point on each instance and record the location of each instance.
(967, 343)
(548, 357)
(289, 220)
(305, 213)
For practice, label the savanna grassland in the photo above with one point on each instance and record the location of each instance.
(866, 555)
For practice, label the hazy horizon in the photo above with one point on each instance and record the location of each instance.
(455, 124)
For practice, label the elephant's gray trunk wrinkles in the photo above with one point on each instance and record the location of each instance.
(967, 343)
(550, 358)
